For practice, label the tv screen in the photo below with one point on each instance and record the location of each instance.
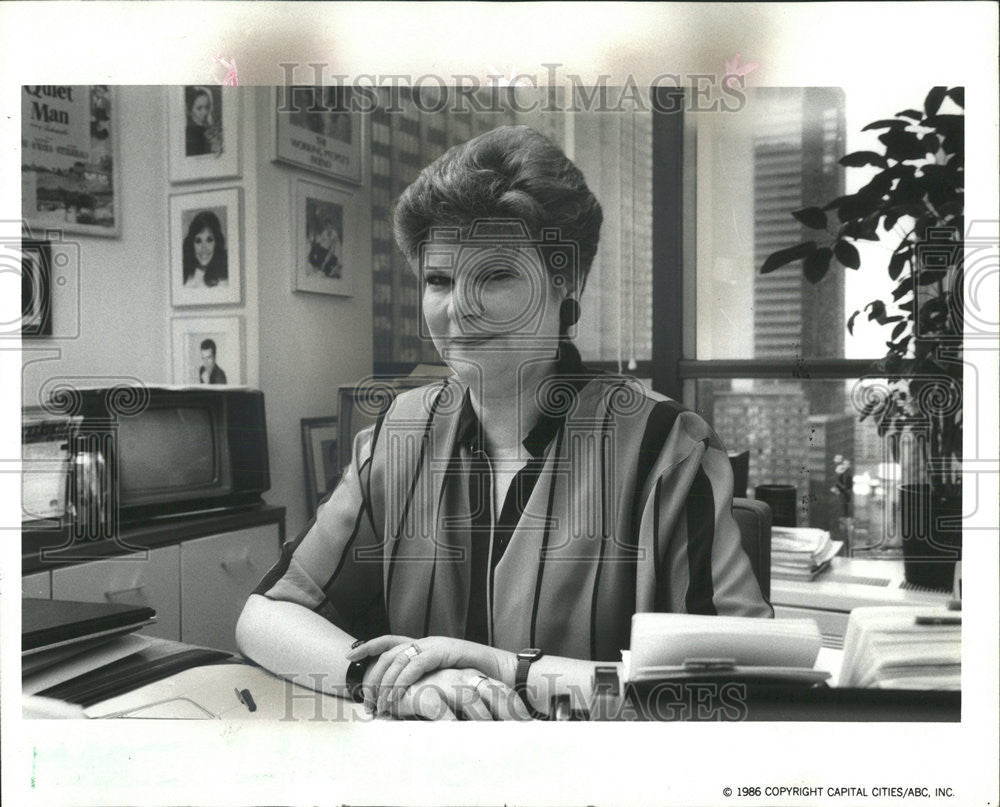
(169, 449)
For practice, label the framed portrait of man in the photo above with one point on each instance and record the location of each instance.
(207, 350)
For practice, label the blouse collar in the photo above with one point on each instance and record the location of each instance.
(569, 378)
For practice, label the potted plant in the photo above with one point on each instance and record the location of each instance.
(915, 205)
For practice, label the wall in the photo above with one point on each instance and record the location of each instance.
(309, 344)
(123, 288)
(299, 347)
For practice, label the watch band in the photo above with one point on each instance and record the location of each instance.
(525, 659)
(355, 675)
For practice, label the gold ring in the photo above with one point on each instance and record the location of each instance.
(411, 651)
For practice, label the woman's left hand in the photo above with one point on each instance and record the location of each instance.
(400, 666)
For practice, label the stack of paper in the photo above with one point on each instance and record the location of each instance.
(903, 647)
(801, 553)
(687, 646)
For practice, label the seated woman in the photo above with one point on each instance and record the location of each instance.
(496, 531)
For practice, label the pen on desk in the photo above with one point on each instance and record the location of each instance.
(246, 698)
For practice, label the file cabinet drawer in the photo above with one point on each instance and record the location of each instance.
(130, 579)
(217, 575)
(38, 585)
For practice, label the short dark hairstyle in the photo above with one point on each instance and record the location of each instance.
(511, 172)
(208, 344)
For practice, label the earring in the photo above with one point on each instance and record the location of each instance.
(569, 313)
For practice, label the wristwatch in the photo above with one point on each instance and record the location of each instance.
(525, 659)
(356, 673)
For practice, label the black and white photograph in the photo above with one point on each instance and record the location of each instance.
(203, 121)
(207, 350)
(205, 247)
(36, 288)
(464, 364)
(321, 458)
(325, 238)
(319, 129)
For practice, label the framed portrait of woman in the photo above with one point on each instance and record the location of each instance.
(205, 257)
(203, 122)
(326, 238)
(317, 128)
(207, 350)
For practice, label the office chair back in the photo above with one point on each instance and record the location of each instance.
(754, 521)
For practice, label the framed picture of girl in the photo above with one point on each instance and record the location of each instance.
(205, 237)
(326, 239)
(203, 122)
(316, 128)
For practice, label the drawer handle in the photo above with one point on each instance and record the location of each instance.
(242, 560)
(111, 594)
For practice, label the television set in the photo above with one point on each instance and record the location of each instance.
(163, 451)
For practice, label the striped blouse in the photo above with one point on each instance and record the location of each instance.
(628, 510)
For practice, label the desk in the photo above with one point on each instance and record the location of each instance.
(207, 692)
(848, 583)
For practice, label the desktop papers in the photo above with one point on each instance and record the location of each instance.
(904, 647)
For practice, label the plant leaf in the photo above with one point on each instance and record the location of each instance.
(817, 264)
(858, 159)
(778, 259)
(847, 254)
(812, 217)
(898, 330)
(888, 123)
(957, 94)
(850, 322)
(897, 262)
(910, 113)
(904, 287)
(933, 100)
(876, 311)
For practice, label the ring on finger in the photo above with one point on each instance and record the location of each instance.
(412, 651)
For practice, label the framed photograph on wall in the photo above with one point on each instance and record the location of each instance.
(69, 159)
(316, 129)
(325, 233)
(208, 350)
(319, 452)
(36, 288)
(205, 237)
(204, 126)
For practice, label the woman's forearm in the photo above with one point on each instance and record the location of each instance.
(295, 643)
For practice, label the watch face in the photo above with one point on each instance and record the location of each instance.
(530, 654)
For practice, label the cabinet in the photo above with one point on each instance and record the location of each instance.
(217, 575)
(37, 585)
(195, 573)
(136, 579)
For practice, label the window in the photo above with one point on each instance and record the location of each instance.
(767, 359)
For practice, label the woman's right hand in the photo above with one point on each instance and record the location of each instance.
(465, 694)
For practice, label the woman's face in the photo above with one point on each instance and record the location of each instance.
(200, 110)
(495, 307)
(204, 247)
